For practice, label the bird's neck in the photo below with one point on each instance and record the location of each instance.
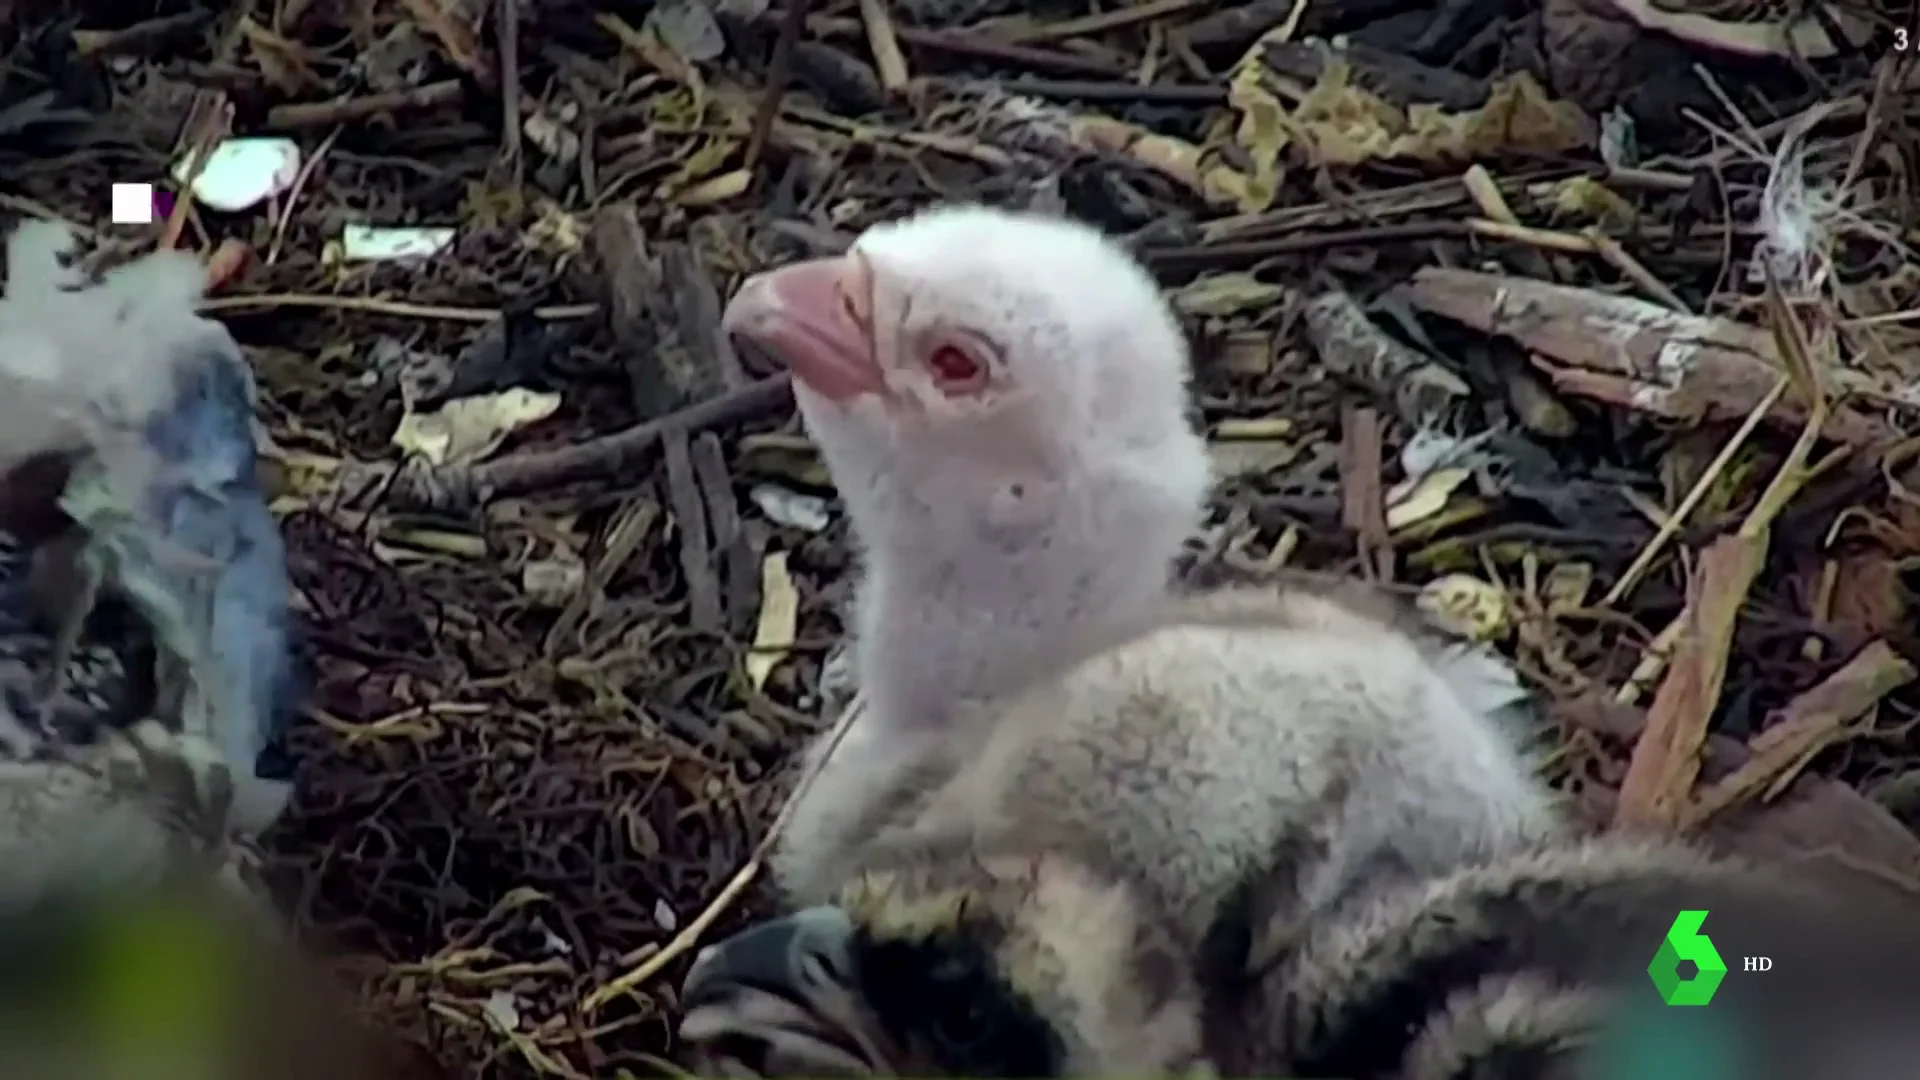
(943, 617)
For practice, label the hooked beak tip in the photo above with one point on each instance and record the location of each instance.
(773, 953)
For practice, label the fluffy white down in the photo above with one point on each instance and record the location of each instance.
(81, 363)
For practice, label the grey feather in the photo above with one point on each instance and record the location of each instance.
(159, 402)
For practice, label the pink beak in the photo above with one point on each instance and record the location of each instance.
(816, 317)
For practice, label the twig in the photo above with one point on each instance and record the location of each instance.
(1653, 661)
(1657, 789)
(973, 46)
(140, 35)
(1678, 519)
(1808, 724)
(450, 489)
(1117, 93)
(376, 306)
(322, 114)
(1633, 270)
(696, 550)
(730, 893)
(307, 169)
(779, 73)
(1363, 505)
(1666, 757)
(1485, 192)
(1088, 25)
(885, 45)
(212, 121)
(508, 31)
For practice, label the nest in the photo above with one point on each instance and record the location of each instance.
(562, 655)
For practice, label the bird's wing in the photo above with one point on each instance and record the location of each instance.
(129, 810)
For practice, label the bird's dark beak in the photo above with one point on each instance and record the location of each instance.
(786, 954)
(778, 999)
(816, 317)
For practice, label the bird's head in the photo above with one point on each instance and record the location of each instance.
(951, 962)
(971, 369)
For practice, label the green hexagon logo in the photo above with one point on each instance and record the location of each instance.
(1686, 942)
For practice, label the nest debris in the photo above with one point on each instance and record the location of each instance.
(568, 633)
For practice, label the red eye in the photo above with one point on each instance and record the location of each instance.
(954, 365)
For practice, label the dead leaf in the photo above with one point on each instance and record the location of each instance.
(716, 189)
(1251, 457)
(1342, 124)
(1585, 198)
(1466, 606)
(1337, 123)
(688, 28)
(779, 619)
(1410, 502)
(468, 429)
(1261, 133)
(1219, 295)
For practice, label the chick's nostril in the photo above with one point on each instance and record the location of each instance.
(849, 306)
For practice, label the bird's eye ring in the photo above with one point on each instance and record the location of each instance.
(955, 368)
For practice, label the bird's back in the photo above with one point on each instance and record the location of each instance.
(1237, 746)
(1553, 963)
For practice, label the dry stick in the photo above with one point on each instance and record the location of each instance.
(1678, 519)
(1634, 270)
(977, 47)
(376, 306)
(413, 487)
(522, 473)
(779, 73)
(300, 179)
(325, 113)
(881, 39)
(141, 35)
(212, 123)
(1363, 508)
(1666, 757)
(1808, 723)
(1086, 26)
(729, 893)
(508, 31)
(1657, 790)
(1653, 661)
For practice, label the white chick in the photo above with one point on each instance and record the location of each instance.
(1001, 400)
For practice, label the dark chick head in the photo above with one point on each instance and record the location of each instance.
(972, 368)
(1006, 965)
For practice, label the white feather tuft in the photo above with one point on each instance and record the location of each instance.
(1801, 216)
(80, 362)
(1485, 683)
